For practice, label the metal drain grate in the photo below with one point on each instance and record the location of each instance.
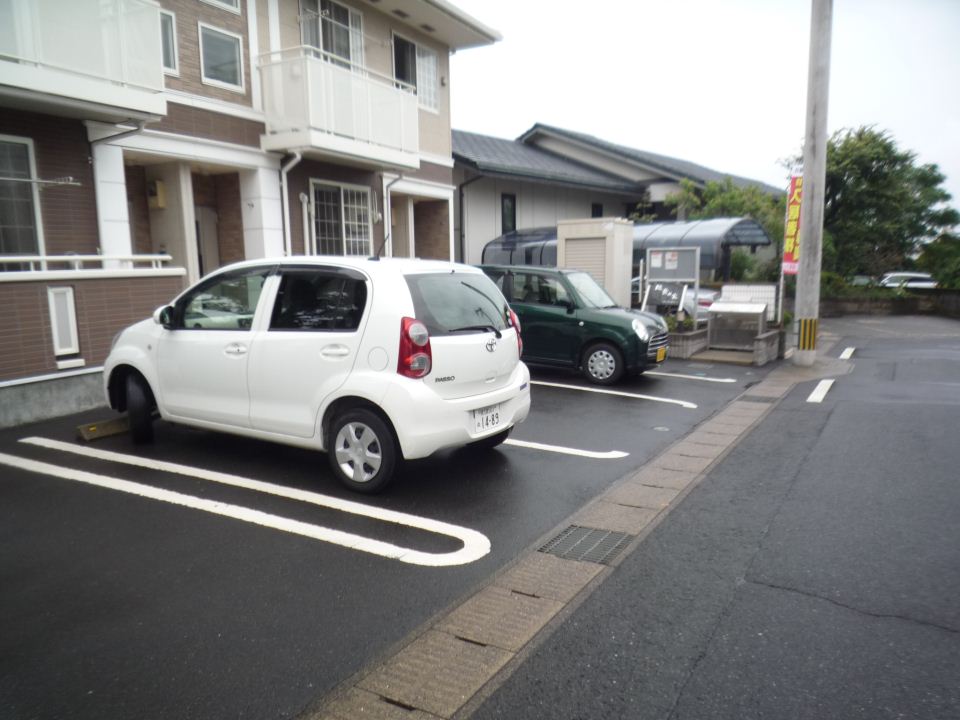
(587, 544)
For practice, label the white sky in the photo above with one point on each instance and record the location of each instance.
(721, 83)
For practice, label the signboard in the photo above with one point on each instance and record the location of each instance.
(791, 233)
(670, 274)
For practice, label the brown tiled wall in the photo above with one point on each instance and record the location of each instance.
(230, 226)
(139, 211)
(431, 229)
(103, 307)
(204, 190)
(188, 14)
(185, 120)
(68, 213)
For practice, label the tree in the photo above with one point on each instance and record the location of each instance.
(879, 203)
(941, 258)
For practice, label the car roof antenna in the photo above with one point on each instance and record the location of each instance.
(386, 223)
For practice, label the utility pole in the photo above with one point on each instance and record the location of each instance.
(814, 180)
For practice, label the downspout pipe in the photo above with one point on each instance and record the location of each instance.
(387, 208)
(463, 231)
(287, 240)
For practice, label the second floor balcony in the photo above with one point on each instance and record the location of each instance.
(98, 59)
(327, 107)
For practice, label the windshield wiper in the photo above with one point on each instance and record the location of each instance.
(487, 328)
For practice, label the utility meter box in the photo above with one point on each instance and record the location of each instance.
(735, 325)
(602, 247)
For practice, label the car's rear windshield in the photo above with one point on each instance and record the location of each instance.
(454, 303)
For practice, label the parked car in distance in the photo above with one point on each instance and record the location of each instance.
(907, 280)
(373, 361)
(570, 321)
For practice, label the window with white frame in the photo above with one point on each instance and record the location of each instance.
(231, 5)
(221, 58)
(341, 219)
(168, 41)
(333, 28)
(19, 201)
(63, 321)
(418, 66)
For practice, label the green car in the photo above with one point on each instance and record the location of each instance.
(568, 320)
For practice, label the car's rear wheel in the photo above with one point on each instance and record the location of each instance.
(362, 451)
(488, 443)
(139, 409)
(603, 364)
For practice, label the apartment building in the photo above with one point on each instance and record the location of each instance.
(144, 144)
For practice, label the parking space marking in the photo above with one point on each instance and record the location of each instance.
(820, 391)
(690, 377)
(621, 393)
(609, 455)
(847, 353)
(475, 544)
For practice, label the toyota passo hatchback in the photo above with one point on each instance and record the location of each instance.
(570, 321)
(373, 361)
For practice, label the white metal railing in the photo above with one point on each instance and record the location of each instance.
(113, 40)
(46, 263)
(305, 88)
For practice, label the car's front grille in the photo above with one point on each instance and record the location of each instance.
(656, 342)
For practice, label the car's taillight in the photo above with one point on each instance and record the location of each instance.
(416, 358)
(515, 322)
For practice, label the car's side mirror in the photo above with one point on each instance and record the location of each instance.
(568, 304)
(164, 316)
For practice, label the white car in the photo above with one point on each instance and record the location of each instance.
(373, 361)
(908, 280)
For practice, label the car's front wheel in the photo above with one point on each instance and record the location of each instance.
(139, 409)
(362, 450)
(603, 364)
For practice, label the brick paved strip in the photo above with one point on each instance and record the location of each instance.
(639, 495)
(664, 478)
(720, 427)
(359, 704)
(548, 576)
(692, 449)
(618, 518)
(702, 437)
(436, 672)
(500, 617)
(674, 461)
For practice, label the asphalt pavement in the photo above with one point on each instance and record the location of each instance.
(814, 572)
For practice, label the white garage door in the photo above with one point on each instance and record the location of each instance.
(588, 254)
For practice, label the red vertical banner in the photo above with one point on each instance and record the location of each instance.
(791, 233)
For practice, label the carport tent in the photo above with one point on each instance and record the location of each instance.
(714, 237)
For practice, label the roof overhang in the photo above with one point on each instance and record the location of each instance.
(439, 20)
(507, 173)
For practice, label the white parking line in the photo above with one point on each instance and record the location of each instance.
(820, 391)
(637, 396)
(609, 455)
(475, 544)
(690, 377)
(847, 354)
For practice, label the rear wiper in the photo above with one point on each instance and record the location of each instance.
(487, 328)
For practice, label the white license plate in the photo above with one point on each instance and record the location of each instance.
(486, 418)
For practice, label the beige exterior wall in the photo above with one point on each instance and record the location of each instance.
(538, 205)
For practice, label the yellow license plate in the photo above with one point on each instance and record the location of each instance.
(661, 354)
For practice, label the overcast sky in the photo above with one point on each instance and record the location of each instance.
(718, 82)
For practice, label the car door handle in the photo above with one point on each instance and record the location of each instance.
(235, 349)
(335, 351)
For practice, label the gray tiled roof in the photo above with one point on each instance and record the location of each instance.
(672, 166)
(512, 158)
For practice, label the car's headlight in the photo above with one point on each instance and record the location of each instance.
(641, 330)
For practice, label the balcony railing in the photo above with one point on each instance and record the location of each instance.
(15, 268)
(114, 43)
(315, 99)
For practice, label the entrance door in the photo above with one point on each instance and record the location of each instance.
(208, 247)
